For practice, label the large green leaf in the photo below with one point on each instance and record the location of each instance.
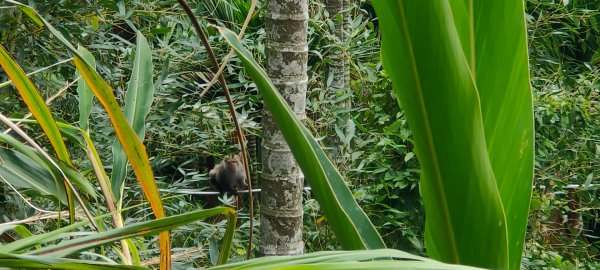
(460, 72)
(501, 73)
(350, 224)
(138, 100)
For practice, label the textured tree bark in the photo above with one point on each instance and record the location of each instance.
(282, 181)
(339, 13)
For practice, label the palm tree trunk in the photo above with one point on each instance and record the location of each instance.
(282, 181)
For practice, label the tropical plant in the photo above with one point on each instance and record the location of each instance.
(138, 101)
(470, 77)
(474, 166)
(468, 104)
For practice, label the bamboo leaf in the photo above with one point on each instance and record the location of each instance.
(350, 224)
(86, 96)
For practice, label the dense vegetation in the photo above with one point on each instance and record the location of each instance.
(187, 132)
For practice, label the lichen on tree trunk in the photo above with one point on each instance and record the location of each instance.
(282, 181)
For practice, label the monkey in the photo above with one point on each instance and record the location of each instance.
(228, 176)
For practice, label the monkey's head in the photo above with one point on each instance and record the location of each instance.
(236, 179)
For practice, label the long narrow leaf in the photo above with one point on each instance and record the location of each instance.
(134, 149)
(40, 238)
(228, 237)
(40, 111)
(363, 259)
(19, 261)
(138, 100)
(133, 230)
(350, 224)
(85, 94)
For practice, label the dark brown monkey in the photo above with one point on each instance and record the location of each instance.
(228, 176)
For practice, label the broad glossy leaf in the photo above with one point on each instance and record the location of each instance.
(423, 54)
(453, 57)
(501, 72)
(351, 226)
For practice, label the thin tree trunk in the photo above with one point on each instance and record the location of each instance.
(282, 181)
(339, 67)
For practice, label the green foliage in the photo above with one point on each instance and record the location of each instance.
(376, 150)
(187, 133)
(565, 42)
(350, 223)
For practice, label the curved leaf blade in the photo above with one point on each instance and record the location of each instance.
(133, 230)
(36, 105)
(351, 225)
(502, 77)
(138, 100)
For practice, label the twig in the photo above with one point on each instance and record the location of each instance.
(24, 199)
(198, 192)
(39, 217)
(48, 101)
(45, 155)
(230, 54)
(38, 71)
(240, 134)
